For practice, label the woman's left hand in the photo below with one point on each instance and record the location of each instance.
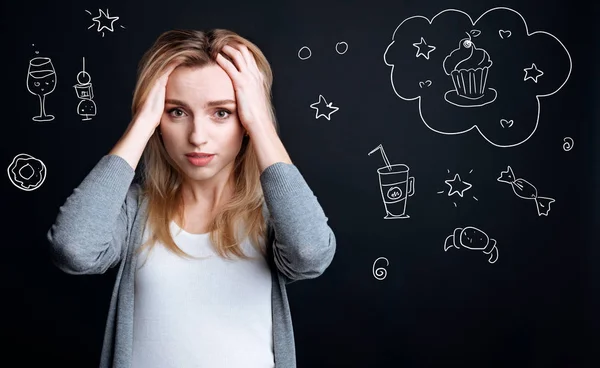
(248, 82)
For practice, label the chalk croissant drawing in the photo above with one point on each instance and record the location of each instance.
(524, 189)
(487, 76)
(26, 172)
(41, 81)
(321, 106)
(85, 92)
(104, 21)
(472, 238)
(380, 273)
(395, 185)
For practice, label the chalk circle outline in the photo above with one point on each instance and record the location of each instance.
(309, 52)
(15, 176)
(337, 46)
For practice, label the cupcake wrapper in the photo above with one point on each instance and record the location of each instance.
(470, 83)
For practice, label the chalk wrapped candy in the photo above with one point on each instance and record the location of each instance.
(526, 190)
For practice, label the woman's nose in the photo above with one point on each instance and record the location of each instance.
(199, 133)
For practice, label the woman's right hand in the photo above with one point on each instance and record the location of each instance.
(151, 111)
(131, 145)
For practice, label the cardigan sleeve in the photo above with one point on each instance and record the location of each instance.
(304, 245)
(92, 226)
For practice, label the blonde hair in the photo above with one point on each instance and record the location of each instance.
(161, 177)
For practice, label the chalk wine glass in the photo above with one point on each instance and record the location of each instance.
(41, 80)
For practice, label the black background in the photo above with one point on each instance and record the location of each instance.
(535, 307)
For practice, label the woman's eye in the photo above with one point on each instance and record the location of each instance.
(176, 112)
(223, 114)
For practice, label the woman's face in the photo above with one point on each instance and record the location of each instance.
(200, 117)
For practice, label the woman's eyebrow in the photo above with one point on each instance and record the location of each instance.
(177, 102)
(220, 102)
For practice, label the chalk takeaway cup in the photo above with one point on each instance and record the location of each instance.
(396, 186)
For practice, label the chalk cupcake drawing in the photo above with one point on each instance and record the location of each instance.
(472, 238)
(469, 66)
(487, 75)
(524, 189)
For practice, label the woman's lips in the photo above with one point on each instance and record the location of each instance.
(200, 160)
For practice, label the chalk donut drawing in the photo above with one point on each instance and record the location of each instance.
(26, 172)
(524, 189)
(395, 185)
(104, 21)
(380, 273)
(85, 92)
(472, 238)
(322, 104)
(304, 53)
(41, 81)
(341, 47)
(482, 72)
(569, 143)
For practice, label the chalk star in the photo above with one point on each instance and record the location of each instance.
(423, 44)
(457, 183)
(104, 17)
(535, 71)
(329, 106)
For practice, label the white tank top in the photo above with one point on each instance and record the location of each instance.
(201, 313)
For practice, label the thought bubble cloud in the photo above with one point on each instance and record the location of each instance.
(488, 74)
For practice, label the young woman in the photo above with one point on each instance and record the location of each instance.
(220, 223)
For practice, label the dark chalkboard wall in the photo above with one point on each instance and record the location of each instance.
(475, 273)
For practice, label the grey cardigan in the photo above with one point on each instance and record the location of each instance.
(101, 223)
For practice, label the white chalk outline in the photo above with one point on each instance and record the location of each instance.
(85, 99)
(475, 126)
(506, 123)
(504, 31)
(48, 70)
(309, 53)
(520, 183)
(393, 188)
(341, 43)
(569, 143)
(532, 69)
(418, 45)
(457, 180)
(426, 83)
(380, 273)
(100, 19)
(14, 178)
(489, 248)
(328, 105)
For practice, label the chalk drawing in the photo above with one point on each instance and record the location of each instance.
(104, 21)
(322, 105)
(85, 92)
(26, 172)
(472, 71)
(395, 185)
(380, 273)
(524, 189)
(472, 238)
(41, 81)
